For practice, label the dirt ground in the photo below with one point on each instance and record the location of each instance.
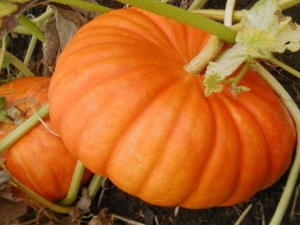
(263, 203)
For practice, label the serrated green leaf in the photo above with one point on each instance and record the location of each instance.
(261, 15)
(265, 32)
(288, 36)
(213, 84)
(257, 43)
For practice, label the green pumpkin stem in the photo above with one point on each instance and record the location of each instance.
(74, 186)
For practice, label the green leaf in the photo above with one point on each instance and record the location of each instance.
(3, 112)
(261, 15)
(212, 84)
(7, 8)
(3, 102)
(257, 43)
(4, 117)
(265, 32)
(6, 62)
(288, 36)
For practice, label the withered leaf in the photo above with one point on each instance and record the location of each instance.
(11, 207)
(85, 201)
(60, 30)
(4, 177)
(10, 21)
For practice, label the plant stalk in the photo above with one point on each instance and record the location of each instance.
(21, 130)
(219, 15)
(94, 185)
(29, 25)
(197, 4)
(84, 5)
(285, 4)
(18, 64)
(30, 50)
(285, 67)
(75, 185)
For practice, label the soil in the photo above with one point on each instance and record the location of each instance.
(115, 201)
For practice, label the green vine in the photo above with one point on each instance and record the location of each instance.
(18, 64)
(21, 130)
(29, 25)
(75, 185)
(84, 5)
(224, 33)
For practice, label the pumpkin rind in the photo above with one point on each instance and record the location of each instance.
(125, 107)
(39, 159)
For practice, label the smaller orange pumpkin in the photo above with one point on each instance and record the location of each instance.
(39, 159)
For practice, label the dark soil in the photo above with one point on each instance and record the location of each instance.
(263, 203)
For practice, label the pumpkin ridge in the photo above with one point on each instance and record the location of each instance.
(156, 170)
(162, 157)
(210, 192)
(158, 94)
(242, 192)
(257, 118)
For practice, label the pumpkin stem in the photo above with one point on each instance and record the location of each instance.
(210, 51)
(293, 175)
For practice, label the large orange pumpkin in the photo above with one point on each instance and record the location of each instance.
(125, 106)
(39, 159)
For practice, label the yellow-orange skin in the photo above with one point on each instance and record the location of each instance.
(124, 106)
(39, 159)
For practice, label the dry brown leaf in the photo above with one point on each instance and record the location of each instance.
(103, 218)
(8, 22)
(4, 177)
(60, 30)
(11, 207)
